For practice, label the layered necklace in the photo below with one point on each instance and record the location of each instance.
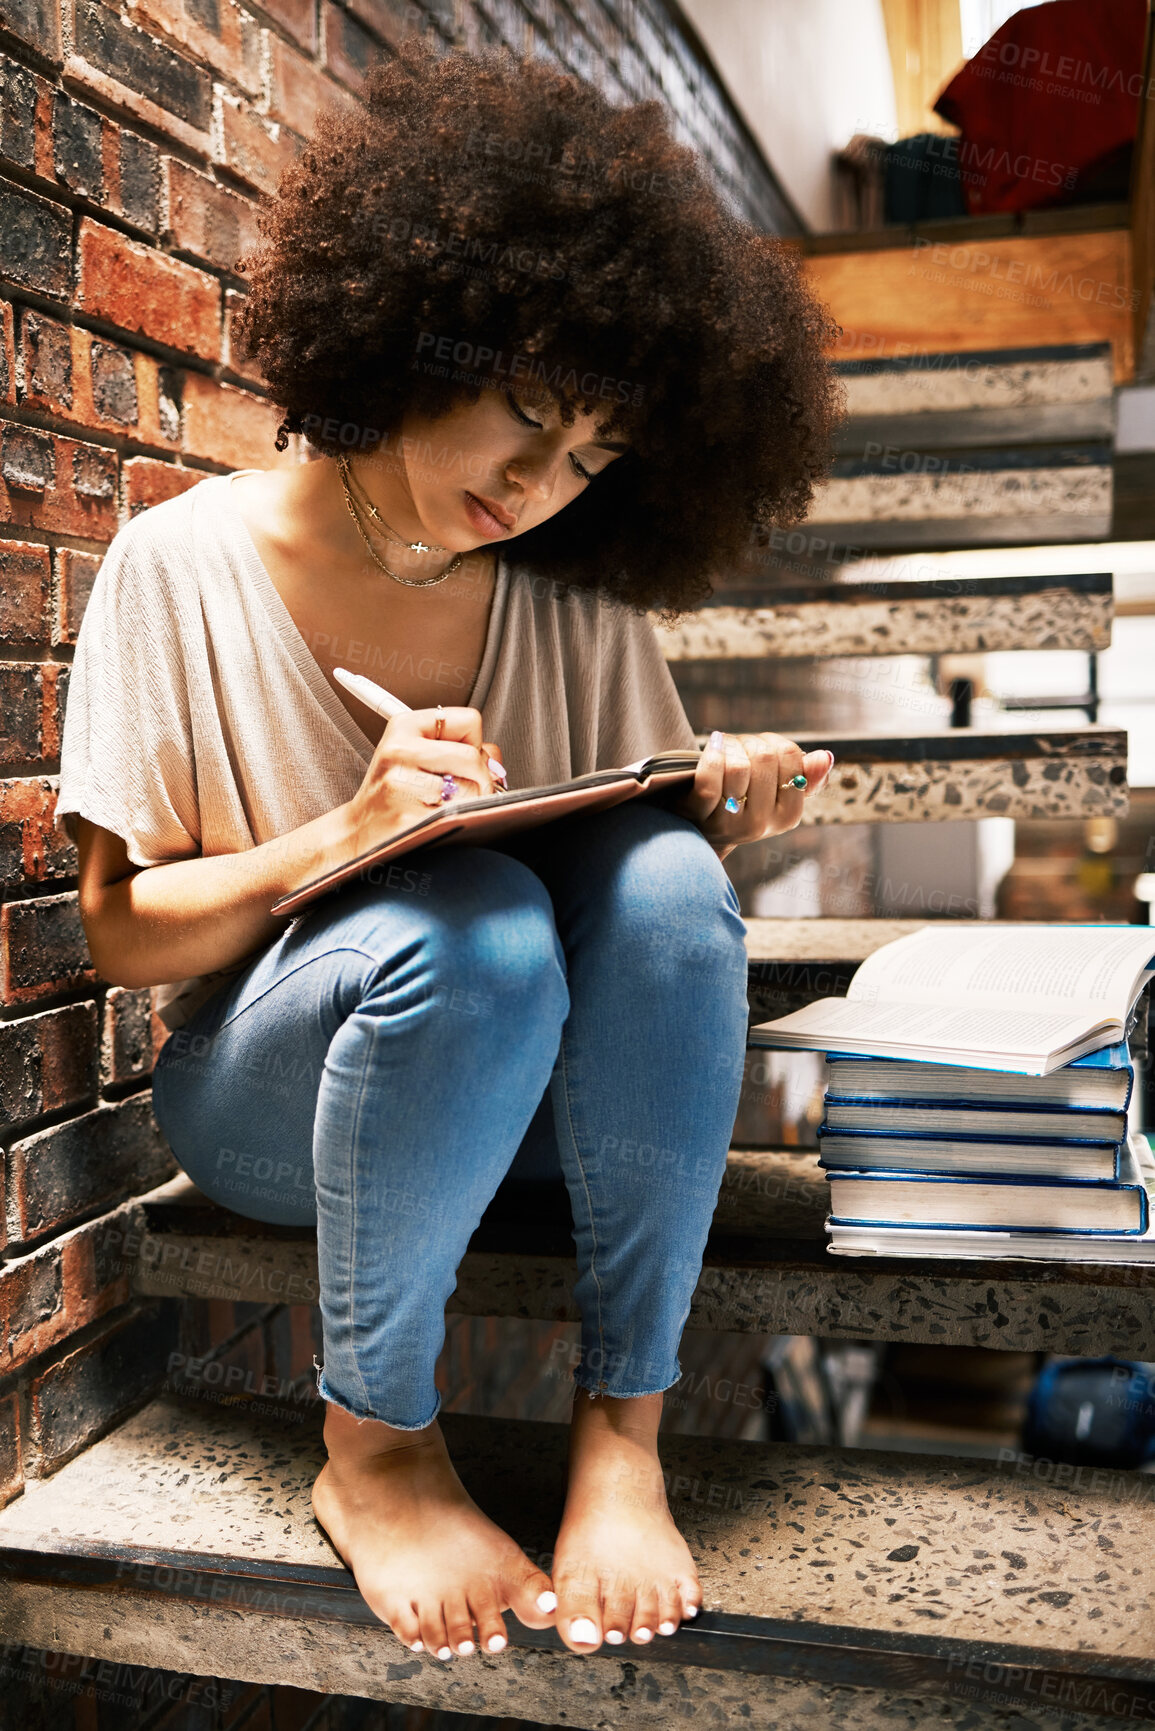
(358, 509)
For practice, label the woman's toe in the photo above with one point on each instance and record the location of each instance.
(433, 1633)
(645, 1620)
(459, 1625)
(690, 1594)
(579, 1620)
(617, 1615)
(486, 1613)
(531, 1596)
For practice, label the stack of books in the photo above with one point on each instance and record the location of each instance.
(978, 1095)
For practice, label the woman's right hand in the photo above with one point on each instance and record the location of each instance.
(403, 781)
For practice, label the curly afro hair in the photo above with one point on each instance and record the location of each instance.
(481, 211)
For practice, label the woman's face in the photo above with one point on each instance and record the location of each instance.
(492, 470)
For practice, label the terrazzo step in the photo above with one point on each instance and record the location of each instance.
(846, 1588)
(766, 1270)
(962, 400)
(901, 617)
(965, 772)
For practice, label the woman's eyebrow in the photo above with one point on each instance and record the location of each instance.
(608, 445)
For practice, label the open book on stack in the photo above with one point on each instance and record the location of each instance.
(978, 1147)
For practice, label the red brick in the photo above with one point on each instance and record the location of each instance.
(18, 114)
(36, 22)
(349, 49)
(7, 354)
(47, 351)
(31, 850)
(148, 481)
(29, 727)
(256, 150)
(78, 377)
(235, 357)
(75, 575)
(42, 949)
(130, 69)
(230, 426)
(299, 90)
(207, 220)
(297, 17)
(53, 1292)
(87, 1391)
(126, 1040)
(35, 242)
(392, 19)
(99, 1159)
(138, 289)
(11, 1464)
(52, 483)
(234, 50)
(48, 1062)
(25, 585)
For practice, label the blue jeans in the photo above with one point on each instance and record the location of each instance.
(571, 1002)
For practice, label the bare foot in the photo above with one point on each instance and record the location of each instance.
(621, 1568)
(425, 1557)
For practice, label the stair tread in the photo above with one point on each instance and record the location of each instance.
(848, 1539)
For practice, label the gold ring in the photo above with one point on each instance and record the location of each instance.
(440, 721)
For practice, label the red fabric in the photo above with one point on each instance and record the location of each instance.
(1054, 93)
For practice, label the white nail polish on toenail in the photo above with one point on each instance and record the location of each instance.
(445, 1652)
(417, 1647)
(692, 1610)
(465, 1646)
(582, 1629)
(643, 1634)
(495, 1643)
(614, 1637)
(666, 1628)
(547, 1601)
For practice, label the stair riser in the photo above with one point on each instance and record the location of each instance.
(524, 1683)
(1027, 1315)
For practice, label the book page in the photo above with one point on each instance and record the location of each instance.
(957, 1031)
(1096, 969)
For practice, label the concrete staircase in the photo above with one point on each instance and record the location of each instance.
(842, 1587)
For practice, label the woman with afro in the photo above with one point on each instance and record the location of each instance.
(549, 383)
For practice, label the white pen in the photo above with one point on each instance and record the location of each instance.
(383, 702)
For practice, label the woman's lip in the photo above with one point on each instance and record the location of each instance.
(489, 511)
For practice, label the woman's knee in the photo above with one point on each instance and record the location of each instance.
(673, 895)
(488, 941)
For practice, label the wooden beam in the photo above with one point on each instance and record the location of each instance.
(969, 294)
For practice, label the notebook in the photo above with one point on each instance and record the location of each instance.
(490, 816)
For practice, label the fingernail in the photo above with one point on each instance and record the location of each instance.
(496, 770)
(495, 1643)
(465, 1646)
(666, 1628)
(614, 1637)
(582, 1629)
(643, 1634)
(547, 1601)
(716, 741)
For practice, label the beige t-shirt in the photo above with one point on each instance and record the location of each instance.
(198, 723)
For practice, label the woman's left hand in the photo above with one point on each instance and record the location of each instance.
(756, 769)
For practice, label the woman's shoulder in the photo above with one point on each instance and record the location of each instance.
(159, 543)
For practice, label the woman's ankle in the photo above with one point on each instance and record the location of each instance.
(351, 1441)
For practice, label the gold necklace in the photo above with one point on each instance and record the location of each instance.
(367, 504)
(409, 582)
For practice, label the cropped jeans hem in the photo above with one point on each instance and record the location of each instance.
(327, 1394)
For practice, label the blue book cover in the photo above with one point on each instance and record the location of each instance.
(1008, 1204)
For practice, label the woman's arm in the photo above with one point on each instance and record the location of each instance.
(147, 926)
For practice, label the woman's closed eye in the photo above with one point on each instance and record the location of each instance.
(580, 470)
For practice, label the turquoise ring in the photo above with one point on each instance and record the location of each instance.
(798, 780)
(731, 803)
